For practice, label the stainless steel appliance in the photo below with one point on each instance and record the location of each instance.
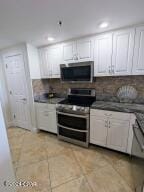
(138, 154)
(73, 116)
(77, 72)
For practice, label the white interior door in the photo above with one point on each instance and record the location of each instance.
(18, 91)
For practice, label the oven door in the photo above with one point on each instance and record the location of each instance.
(138, 159)
(73, 128)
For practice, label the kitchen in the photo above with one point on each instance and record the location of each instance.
(74, 107)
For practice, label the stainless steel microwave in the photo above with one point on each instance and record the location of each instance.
(77, 72)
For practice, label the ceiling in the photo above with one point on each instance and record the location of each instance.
(34, 20)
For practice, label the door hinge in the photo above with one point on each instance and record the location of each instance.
(14, 116)
(6, 66)
(10, 92)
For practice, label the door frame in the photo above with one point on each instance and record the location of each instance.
(20, 49)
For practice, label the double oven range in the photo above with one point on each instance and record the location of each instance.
(73, 116)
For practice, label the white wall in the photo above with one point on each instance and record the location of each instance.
(6, 168)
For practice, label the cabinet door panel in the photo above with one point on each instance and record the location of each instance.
(52, 125)
(43, 63)
(123, 44)
(138, 62)
(69, 51)
(46, 117)
(85, 50)
(118, 135)
(98, 130)
(103, 55)
(55, 61)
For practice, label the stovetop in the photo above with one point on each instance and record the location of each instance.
(78, 102)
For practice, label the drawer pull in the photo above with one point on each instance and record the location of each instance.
(108, 114)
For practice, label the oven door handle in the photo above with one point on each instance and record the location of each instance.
(141, 144)
(77, 130)
(73, 115)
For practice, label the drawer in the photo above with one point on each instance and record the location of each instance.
(51, 107)
(45, 107)
(110, 114)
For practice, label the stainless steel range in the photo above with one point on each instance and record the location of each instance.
(73, 116)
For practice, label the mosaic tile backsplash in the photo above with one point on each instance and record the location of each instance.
(106, 87)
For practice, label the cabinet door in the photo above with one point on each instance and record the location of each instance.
(85, 50)
(43, 63)
(123, 44)
(69, 52)
(54, 61)
(118, 135)
(52, 125)
(138, 61)
(103, 55)
(98, 130)
(46, 119)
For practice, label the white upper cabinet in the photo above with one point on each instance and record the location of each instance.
(69, 52)
(51, 58)
(103, 55)
(85, 49)
(34, 63)
(78, 51)
(43, 63)
(138, 61)
(123, 45)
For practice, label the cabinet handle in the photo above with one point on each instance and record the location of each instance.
(75, 57)
(113, 69)
(46, 113)
(109, 125)
(108, 114)
(110, 69)
(106, 123)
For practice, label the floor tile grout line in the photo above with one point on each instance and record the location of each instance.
(48, 170)
(82, 171)
(111, 164)
(76, 178)
(117, 171)
(31, 163)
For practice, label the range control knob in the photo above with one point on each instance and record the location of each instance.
(82, 108)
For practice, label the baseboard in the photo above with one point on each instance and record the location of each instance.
(10, 124)
(35, 130)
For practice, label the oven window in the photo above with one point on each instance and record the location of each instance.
(73, 134)
(72, 122)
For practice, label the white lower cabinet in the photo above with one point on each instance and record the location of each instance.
(46, 117)
(110, 129)
(118, 132)
(98, 134)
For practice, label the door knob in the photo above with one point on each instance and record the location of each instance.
(24, 99)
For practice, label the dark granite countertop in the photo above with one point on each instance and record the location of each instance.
(120, 107)
(42, 99)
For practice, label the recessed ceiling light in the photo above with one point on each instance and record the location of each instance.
(104, 25)
(50, 39)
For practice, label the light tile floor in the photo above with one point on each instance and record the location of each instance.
(58, 166)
